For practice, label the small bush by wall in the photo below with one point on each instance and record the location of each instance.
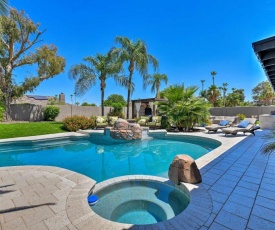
(75, 123)
(51, 112)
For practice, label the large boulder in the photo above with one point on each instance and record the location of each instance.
(184, 169)
(121, 124)
(125, 131)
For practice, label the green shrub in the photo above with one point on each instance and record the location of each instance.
(241, 116)
(51, 112)
(117, 111)
(75, 123)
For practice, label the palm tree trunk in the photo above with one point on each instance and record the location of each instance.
(131, 70)
(102, 102)
(129, 94)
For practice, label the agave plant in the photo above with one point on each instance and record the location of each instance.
(269, 147)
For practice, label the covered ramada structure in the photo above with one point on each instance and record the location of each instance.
(265, 51)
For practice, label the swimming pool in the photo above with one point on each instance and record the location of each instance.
(100, 161)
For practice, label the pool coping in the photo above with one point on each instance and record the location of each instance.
(196, 214)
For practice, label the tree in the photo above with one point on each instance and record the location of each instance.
(213, 74)
(263, 94)
(213, 94)
(155, 80)
(236, 98)
(19, 35)
(101, 67)
(115, 98)
(134, 53)
(202, 84)
(87, 104)
(223, 89)
(182, 108)
(4, 7)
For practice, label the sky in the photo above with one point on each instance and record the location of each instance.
(188, 38)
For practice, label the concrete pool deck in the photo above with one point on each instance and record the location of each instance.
(239, 180)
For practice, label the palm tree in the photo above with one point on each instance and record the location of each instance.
(182, 108)
(213, 73)
(202, 84)
(155, 81)
(101, 67)
(135, 53)
(4, 6)
(224, 89)
(213, 94)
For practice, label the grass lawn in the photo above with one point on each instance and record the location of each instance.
(29, 129)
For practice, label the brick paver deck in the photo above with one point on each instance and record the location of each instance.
(241, 184)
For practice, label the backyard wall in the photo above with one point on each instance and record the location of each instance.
(247, 111)
(29, 112)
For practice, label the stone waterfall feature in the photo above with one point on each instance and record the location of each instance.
(124, 130)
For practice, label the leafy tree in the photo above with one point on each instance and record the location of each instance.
(182, 108)
(213, 95)
(263, 94)
(87, 104)
(115, 98)
(4, 7)
(117, 111)
(134, 53)
(213, 74)
(18, 35)
(101, 67)
(223, 89)
(236, 98)
(155, 80)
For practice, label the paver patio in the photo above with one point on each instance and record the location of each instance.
(241, 182)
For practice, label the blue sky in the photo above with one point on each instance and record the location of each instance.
(189, 38)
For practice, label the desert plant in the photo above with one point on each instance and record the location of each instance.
(51, 112)
(241, 116)
(75, 123)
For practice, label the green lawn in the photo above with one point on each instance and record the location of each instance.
(29, 129)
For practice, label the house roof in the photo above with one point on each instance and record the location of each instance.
(37, 97)
(265, 51)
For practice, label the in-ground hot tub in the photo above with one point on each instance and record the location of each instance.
(139, 201)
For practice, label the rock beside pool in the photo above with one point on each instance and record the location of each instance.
(126, 131)
(184, 169)
(121, 124)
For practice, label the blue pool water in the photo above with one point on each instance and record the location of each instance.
(140, 202)
(101, 162)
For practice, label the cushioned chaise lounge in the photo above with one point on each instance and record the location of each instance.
(222, 124)
(246, 126)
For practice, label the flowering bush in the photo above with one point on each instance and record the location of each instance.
(75, 123)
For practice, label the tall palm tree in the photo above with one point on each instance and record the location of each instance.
(224, 90)
(101, 67)
(213, 74)
(155, 80)
(134, 53)
(202, 84)
(4, 6)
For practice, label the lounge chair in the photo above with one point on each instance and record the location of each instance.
(222, 124)
(245, 126)
(143, 120)
(155, 123)
(101, 122)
